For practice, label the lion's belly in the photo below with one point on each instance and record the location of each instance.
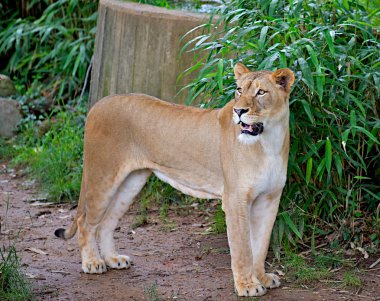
(211, 188)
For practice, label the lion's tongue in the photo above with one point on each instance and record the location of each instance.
(254, 129)
(248, 127)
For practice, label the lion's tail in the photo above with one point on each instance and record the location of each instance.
(69, 233)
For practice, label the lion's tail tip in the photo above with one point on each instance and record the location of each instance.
(60, 233)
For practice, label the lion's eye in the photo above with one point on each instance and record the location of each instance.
(238, 91)
(261, 92)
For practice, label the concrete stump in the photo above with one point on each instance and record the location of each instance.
(9, 117)
(137, 50)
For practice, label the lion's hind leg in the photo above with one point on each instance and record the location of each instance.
(123, 198)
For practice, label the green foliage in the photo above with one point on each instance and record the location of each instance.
(329, 261)
(300, 272)
(351, 279)
(160, 3)
(55, 158)
(152, 294)
(6, 150)
(333, 48)
(13, 284)
(47, 47)
(54, 45)
(220, 222)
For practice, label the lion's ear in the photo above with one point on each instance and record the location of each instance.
(240, 69)
(283, 77)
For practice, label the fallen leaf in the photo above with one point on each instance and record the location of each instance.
(61, 272)
(364, 252)
(37, 199)
(41, 204)
(64, 216)
(280, 273)
(37, 277)
(374, 264)
(35, 250)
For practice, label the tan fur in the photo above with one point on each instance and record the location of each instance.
(200, 152)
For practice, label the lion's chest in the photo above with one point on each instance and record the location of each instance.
(269, 176)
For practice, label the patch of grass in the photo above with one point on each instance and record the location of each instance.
(169, 226)
(152, 294)
(13, 284)
(222, 250)
(329, 260)
(220, 222)
(55, 158)
(351, 279)
(7, 149)
(141, 218)
(298, 269)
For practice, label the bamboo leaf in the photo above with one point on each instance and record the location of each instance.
(309, 167)
(362, 178)
(339, 166)
(345, 135)
(313, 57)
(281, 228)
(329, 40)
(367, 133)
(370, 143)
(272, 7)
(353, 122)
(307, 109)
(220, 75)
(263, 35)
(321, 168)
(306, 72)
(328, 155)
(319, 81)
(291, 224)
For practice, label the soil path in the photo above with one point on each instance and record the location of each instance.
(170, 263)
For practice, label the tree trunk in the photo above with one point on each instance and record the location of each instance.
(137, 50)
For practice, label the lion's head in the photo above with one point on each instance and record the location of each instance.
(260, 97)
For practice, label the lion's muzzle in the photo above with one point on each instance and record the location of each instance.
(253, 130)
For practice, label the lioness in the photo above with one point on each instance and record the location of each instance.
(238, 153)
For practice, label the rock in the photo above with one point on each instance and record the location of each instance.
(9, 117)
(7, 88)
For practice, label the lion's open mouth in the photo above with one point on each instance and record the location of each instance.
(253, 130)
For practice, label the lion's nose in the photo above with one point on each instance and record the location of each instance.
(240, 112)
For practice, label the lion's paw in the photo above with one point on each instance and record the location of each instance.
(270, 280)
(95, 266)
(118, 262)
(250, 289)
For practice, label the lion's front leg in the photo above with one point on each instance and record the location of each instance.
(238, 232)
(262, 217)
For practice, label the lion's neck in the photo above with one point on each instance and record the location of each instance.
(274, 138)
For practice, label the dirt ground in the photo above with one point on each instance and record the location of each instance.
(179, 262)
